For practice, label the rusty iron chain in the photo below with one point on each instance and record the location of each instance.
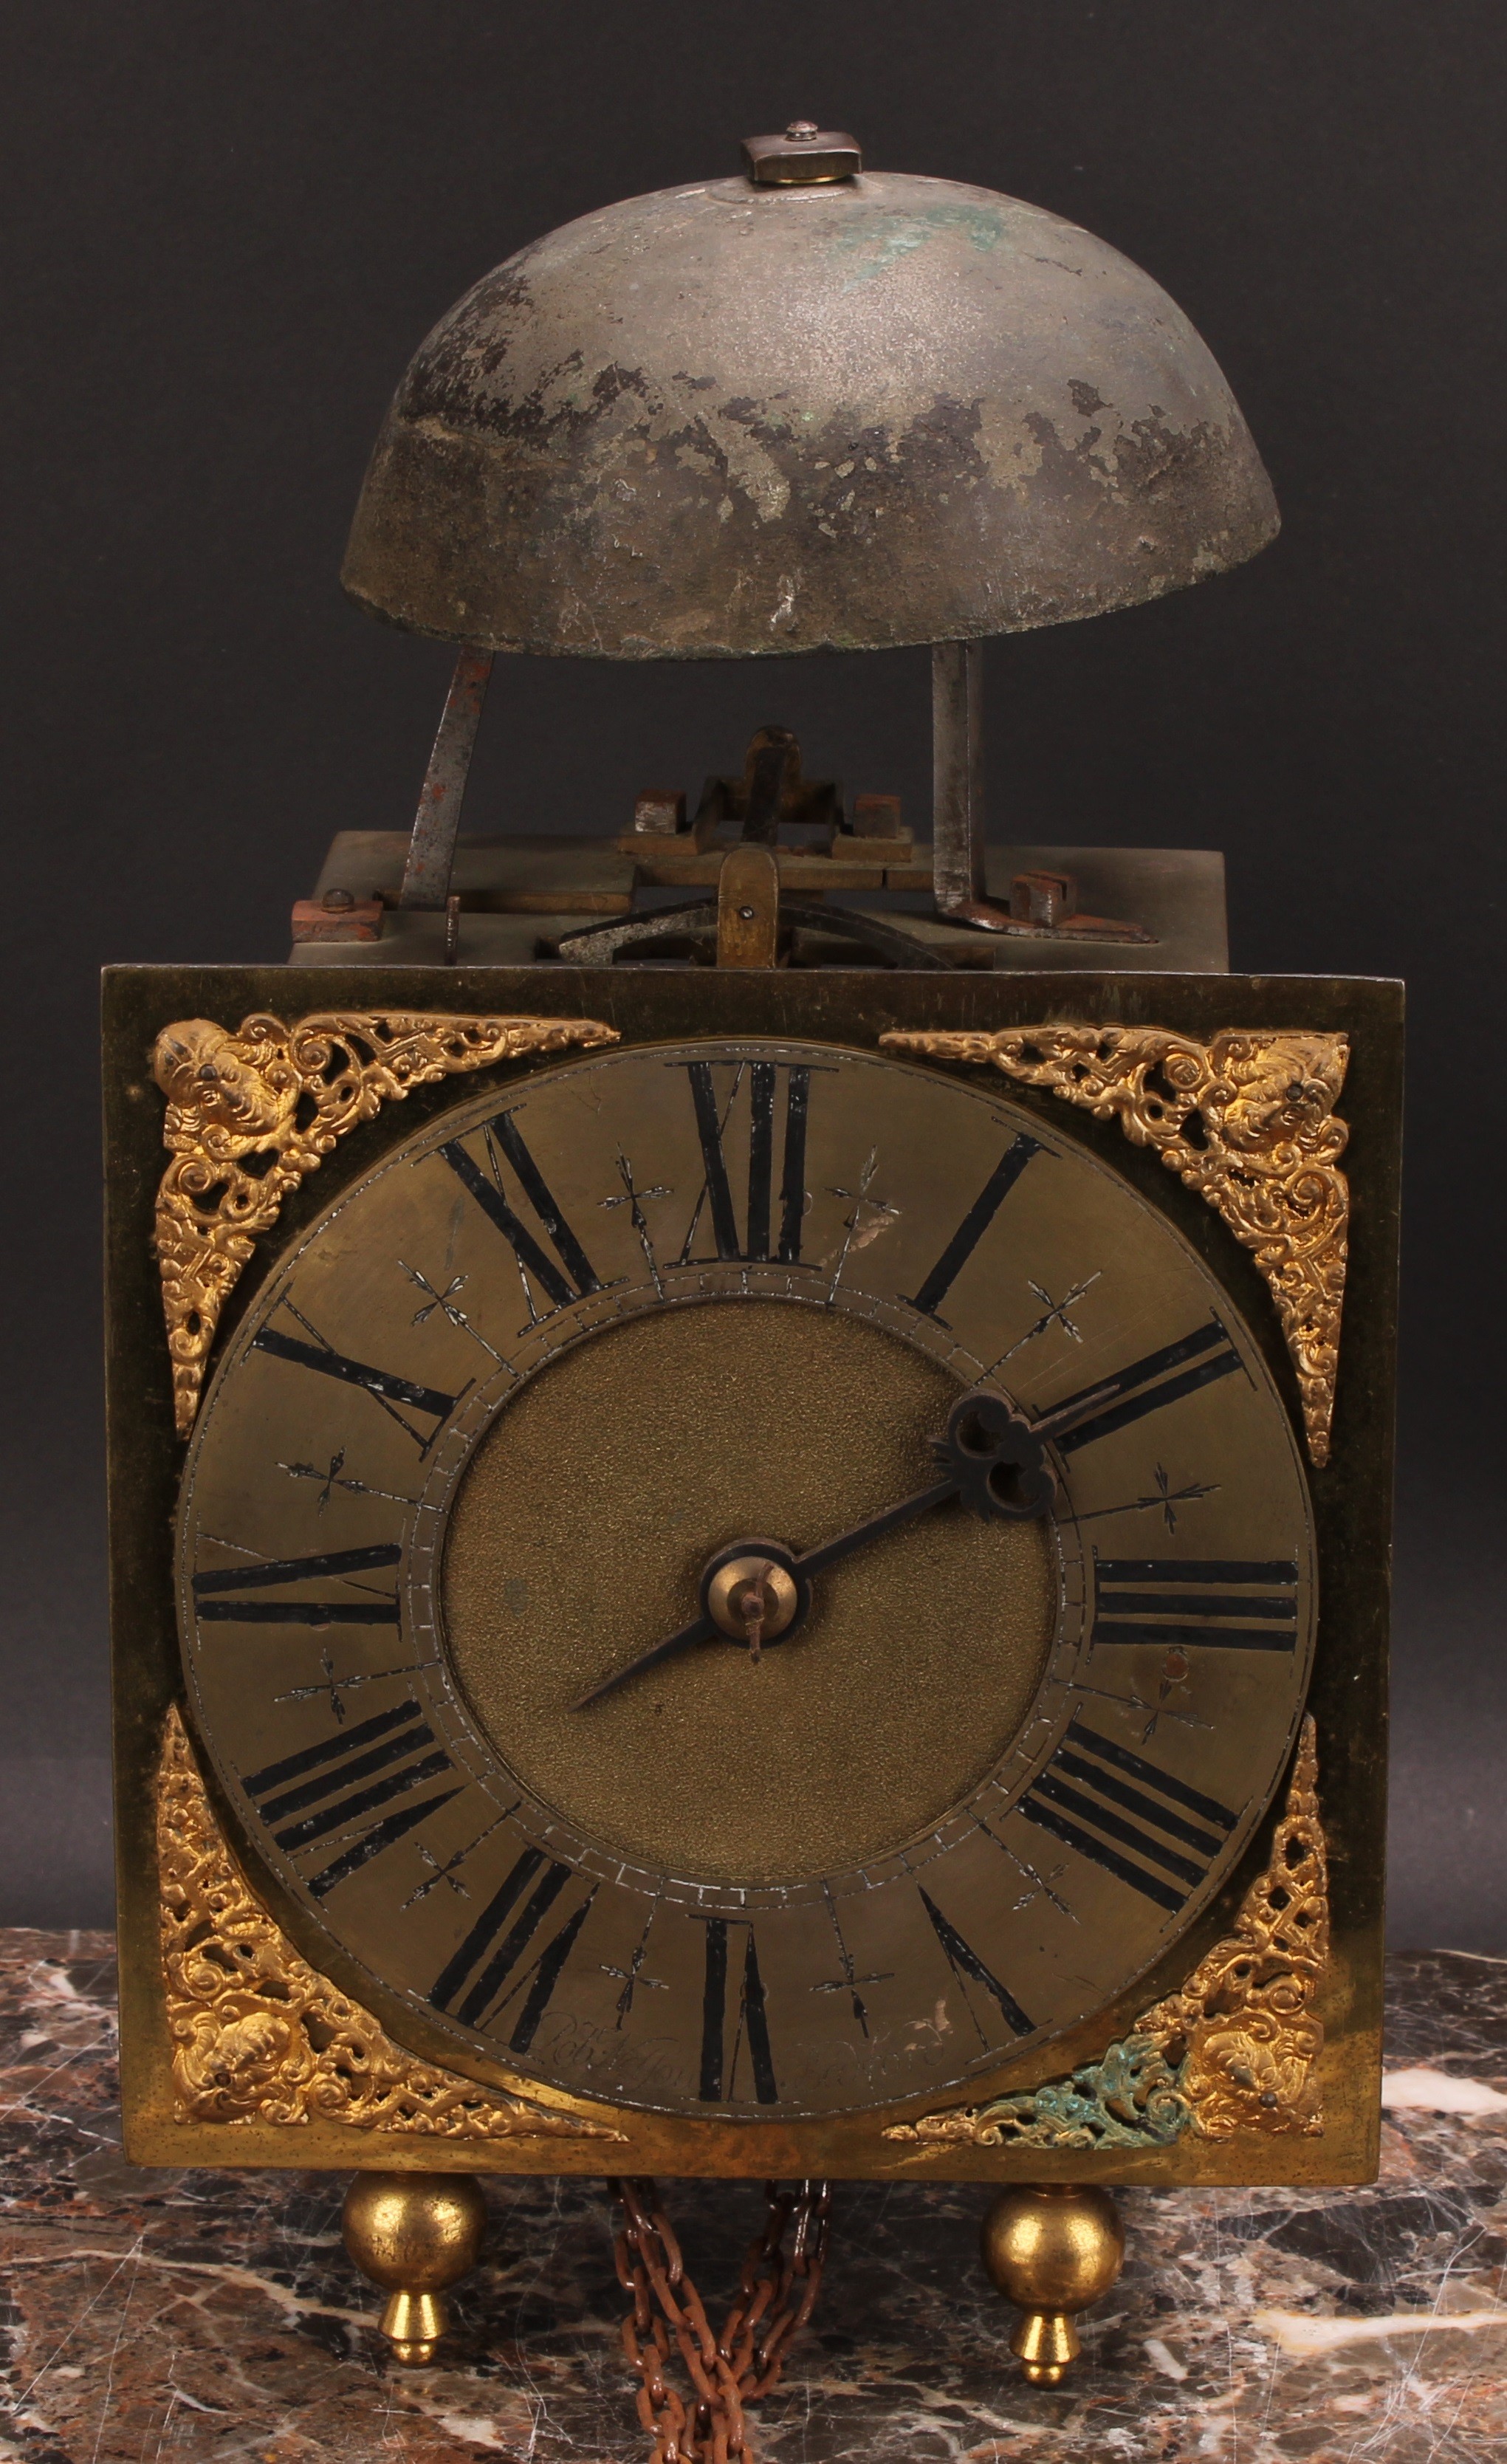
(776, 2293)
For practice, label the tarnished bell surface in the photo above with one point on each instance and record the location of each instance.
(725, 419)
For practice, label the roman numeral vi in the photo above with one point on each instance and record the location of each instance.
(752, 2018)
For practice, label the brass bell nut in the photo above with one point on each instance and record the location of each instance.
(1051, 2249)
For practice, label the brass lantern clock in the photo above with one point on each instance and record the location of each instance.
(751, 1455)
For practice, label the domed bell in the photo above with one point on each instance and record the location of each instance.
(810, 407)
(813, 407)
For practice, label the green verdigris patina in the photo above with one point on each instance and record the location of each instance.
(1132, 2098)
(724, 421)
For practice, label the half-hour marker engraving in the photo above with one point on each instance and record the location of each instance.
(332, 1476)
(1082, 1786)
(849, 1980)
(635, 1975)
(968, 1969)
(338, 1563)
(1172, 1681)
(1163, 1499)
(449, 1872)
(716, 1189)
(335, 1685)
(445, 1302)
(1207, 1603)
(1163, 1377)
(1038, 1885)
(636, 1199)
(975, 1225)
(312, 1785)
(566, 1277)
(856, 1233)
(752, 2019)
(1053, 1314)
(490, 1977)
(384, 1385)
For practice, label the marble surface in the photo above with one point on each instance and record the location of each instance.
(159, 2316)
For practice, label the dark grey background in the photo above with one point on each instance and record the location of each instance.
(229, 227)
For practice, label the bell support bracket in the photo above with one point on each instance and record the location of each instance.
(436, 825)
(1043, 906)
(957, 786)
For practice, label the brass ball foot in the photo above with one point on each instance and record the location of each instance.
(414, 2235)
(1052, 2247)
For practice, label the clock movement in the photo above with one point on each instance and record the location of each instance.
(751, 1457)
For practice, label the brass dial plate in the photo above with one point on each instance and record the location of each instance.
(468, 1452)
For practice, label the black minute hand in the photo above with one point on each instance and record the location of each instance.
(700, 1630)
(995, 1463)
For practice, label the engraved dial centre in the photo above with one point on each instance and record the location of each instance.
(579, 1541)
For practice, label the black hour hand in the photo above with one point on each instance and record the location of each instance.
(1000, 1464)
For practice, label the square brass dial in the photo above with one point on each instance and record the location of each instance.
(528, 1353)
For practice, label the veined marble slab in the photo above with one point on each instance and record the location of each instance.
(166, 2318)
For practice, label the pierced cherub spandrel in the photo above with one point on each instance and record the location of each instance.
(1247, 1119)
(251, 1113)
